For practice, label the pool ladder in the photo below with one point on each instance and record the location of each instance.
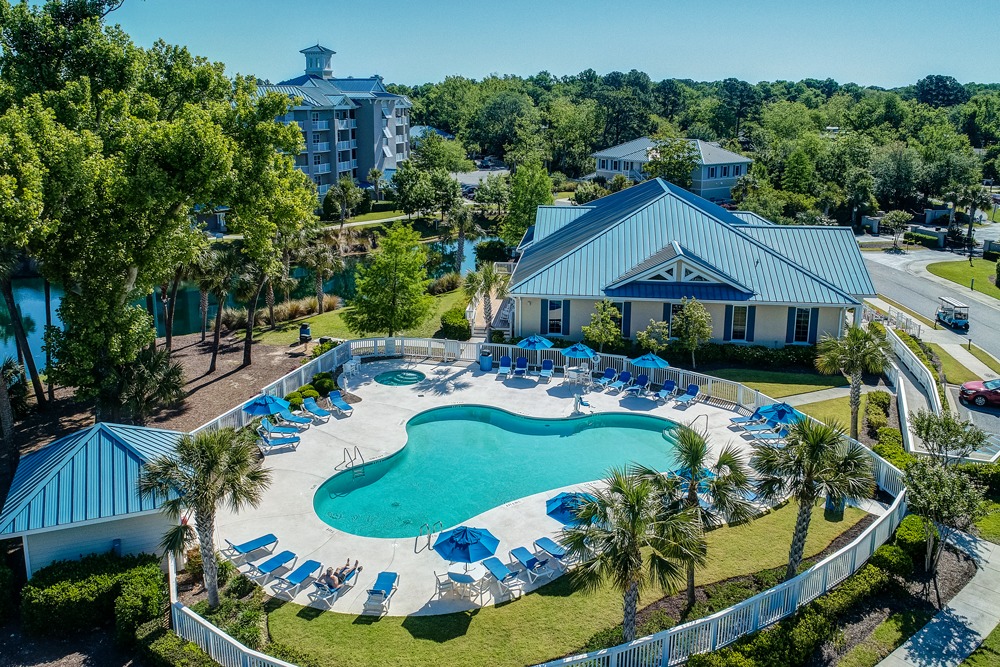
(430, 529)
(353, 461)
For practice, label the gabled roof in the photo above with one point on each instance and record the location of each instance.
(316, 91)
(91, 474)
(317, 48)
(588, 256)
(752, 218)
(637, 150)
(669, 255)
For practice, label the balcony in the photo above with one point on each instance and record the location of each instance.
(321, 168)
(347, 124)
(400, 121)
(347, 145)
(322, 190)
(318, 125)
(346, 166)
(322, 147)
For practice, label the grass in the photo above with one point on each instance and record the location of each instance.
(834, 409)
(989, 528)
(912, 313)
(566, 194)
(988, 654)
(886, 638)
(961, 273)
(953, 369)
(380, 211)
(778, 384)
(553, 621)
(331, 323)
(986, 358)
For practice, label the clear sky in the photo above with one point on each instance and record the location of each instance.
(879, 42)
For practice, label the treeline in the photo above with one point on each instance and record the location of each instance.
(822, 149)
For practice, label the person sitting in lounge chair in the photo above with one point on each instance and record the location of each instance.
(334, 578)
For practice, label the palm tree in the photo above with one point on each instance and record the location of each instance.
(723, 485)
(324, 262)
(150, 381)
(816, 461)
(976, 198)
(8, 261)
(629, 536)
(859, 351)
(342, 197)
(207, 470)
(375, 178)
(462, 223)
(225, 266)
(488, 284)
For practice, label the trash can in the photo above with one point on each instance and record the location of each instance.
(835, 508)
(305, 333)
(485, 361)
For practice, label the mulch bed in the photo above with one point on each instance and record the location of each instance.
(92, 649)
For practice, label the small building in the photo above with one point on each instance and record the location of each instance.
(648, 247)
(717, 171)
(79, 495)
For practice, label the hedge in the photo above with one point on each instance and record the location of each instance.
(71, 596)
(162, 648)
(143, 597)
(890, 447)
(922, 239)
(922, 355)
(991, 256)
(454, 325)
(893, 559)
(911, 539)
(986, 475)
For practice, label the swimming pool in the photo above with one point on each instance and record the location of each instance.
(462, 460)
(400, 378)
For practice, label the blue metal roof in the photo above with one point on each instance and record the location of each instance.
(590, 254)
(677, 291)
(90, 474)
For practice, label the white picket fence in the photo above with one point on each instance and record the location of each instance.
(923, 374)
(670, 647)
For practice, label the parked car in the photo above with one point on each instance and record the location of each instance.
(981, 392)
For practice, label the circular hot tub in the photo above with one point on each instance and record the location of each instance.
(400, 378)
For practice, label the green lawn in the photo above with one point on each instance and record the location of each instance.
(886, 638)
(988, 654)
(568, 194)
(332, 323)
(986, 358)
(778, 384)
(989, 528)
(953, 370)
(838, 409)
(553, 621)
(961, 273)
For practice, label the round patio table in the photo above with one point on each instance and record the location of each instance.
(466, 573)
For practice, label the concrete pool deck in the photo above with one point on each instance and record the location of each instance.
(377, 428)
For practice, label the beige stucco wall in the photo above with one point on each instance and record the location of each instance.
(829, 322)
(770, 325)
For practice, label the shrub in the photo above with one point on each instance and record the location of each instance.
(241, 619)
(234, 318)
(304, 388)
(365, 205)
(324, 386)
(312, 393)
(325, 375)
(295, 400)
(893, 559)
(910, 537)
(454, 325)
(143, 597)
(321, 349)
(163, 648)
(890, 447)
(225, 569)
(991, 256)
(449, 282)
(922, 239)
(879, 399)
(876, 421)
(491, 251)
(986, 475)
(240, 586)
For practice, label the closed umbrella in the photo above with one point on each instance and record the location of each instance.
(535, 342)
(579, 351)
(563, 506)
(649, 360)
(466, 544)
(265, 404)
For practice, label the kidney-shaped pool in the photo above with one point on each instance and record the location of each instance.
(462, 460)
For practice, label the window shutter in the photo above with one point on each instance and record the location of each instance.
(727, 333)
(543, 321)
(751, 321)
(565, 320)
(790, 329)
(666, 312)
(627, 319)
(813, 324)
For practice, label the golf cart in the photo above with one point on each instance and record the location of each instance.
(953, 314)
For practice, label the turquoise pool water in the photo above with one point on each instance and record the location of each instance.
(460, 461)
(400, 378)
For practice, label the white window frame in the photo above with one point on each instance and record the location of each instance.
(674, 307)
(746, 324)
(725, 171)
(614, 165)
(604, 163)
(317, 159)
(315, 116)
(736, 169)
(554, 305)
(795, 326)
(711, 172)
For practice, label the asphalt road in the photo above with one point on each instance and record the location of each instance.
(921, 295)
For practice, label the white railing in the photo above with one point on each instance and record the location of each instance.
(670, 647)
(923, 374)
(319, 125)
(347, 165)
(504, 268)
(323, 168)
(347, 145)
(347, 123)
(321, 147)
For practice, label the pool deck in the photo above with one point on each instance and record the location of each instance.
(377, 428)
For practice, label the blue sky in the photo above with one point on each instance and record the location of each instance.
(879, 42)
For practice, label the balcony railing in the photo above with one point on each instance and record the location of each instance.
(347, 145)
(322, 147)
(321, 168)
(320, 125)
(346, 166)
(347, 123)
(322, 190)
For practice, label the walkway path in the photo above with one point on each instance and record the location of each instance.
(958, 629)
(826, 394)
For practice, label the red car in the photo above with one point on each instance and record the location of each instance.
(981, 393)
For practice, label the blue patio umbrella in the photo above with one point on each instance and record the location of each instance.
(782, 413)
(466, 544)
(562, 507)
(265, 404)
(535, 342)
(649, 360)
(579, 351)
(685, 474)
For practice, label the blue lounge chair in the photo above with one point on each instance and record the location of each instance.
(504, 368)
(329, 594)
(610, 375)
(262, 542)
(772, 436)
(313, 408)
(553, 549)
(532, 567)
(521, 367)
(751, 418)
(292, 582)
(760, 427)
(380, 594)
(624, 380)
(267, 444)
(547, 367)
(692, 393)
(638, 387)
(339, 404)
(666, 391)
(505, 577)
(267, 568)
(287, 416)
(271, 429)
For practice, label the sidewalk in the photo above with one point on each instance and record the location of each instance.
(966, 358)
(827, 394)
(958, 629)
